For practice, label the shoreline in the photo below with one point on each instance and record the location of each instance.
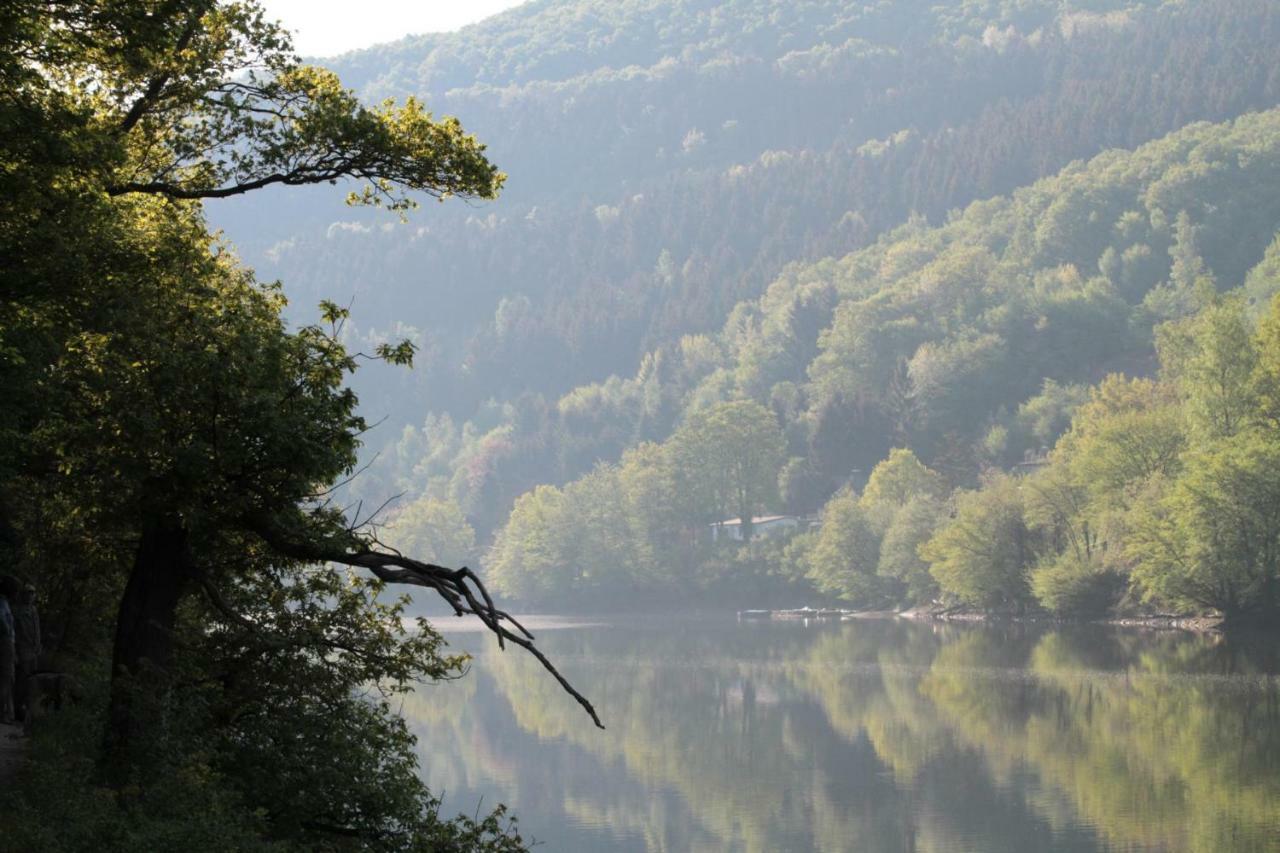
(1193, 624)
(572, 619)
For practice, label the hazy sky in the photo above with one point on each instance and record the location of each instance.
(327, 27)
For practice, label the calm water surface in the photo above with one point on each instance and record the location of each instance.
(867, 735)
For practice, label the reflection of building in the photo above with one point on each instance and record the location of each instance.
(762, 527)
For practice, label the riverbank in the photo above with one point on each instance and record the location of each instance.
(616, 617)
(1162, 622)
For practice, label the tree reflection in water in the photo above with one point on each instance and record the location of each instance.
(870, 735)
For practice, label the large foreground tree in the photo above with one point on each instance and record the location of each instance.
(170, 447)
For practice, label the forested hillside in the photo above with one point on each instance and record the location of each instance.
(968, 348)
(667, 160)
(711, 204)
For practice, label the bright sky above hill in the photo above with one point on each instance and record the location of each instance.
(329, 27)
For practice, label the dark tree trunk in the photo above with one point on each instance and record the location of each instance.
(143, 650)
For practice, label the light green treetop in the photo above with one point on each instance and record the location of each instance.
(726, 461)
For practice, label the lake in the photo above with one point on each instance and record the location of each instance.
(876, 735)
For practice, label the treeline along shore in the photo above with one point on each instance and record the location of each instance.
(1062, 402)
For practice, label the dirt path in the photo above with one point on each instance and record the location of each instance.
(13, 749)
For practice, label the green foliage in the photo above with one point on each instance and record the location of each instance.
(1213, 538)
(911, 525)
(1210, 358)
(172, 446)
(1188, 465)
(1263, 281)
(1266, 376)
(801, 487)
(982, 556)
(529, 558)
(898, 480)
(647, 483)
(1161, 490)
(434, 531)
(1070, 586)
(971, 344)
(635, 527)
(1036, 425)
(617, 243)
(1130, 431)
(726, 460)
(844, 557)
(198, 802)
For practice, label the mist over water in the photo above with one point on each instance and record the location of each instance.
(872, 735)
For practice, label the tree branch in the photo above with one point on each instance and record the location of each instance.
(180, 192)
(157, 84)
(464, 592)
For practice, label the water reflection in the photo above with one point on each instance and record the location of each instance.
(869, 735)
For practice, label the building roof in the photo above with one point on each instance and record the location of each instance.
(759, 519)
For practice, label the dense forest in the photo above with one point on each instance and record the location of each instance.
(615, 241)
(719, 307)
(942, 358)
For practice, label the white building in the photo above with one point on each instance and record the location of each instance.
(762, 527)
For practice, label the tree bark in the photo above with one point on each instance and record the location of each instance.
(143, 650)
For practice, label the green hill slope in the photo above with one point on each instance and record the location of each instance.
(965, 343)
(670, 160)
(667, 160)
